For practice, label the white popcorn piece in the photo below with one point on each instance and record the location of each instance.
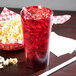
(6, 62)
(3, 40)
(12, 40)
(1, 59)
(1, 37)
(1, 66)
(13, 60)
(10, 60)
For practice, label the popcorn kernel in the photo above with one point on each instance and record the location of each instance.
(12, 29)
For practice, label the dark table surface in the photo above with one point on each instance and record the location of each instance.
(67, 29)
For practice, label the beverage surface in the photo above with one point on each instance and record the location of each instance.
(36, 12)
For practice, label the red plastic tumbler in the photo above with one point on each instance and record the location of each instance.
(37, 25)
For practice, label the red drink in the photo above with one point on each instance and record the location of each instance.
(36, 22)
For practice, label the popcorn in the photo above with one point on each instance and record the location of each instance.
(11, 30)
(1, 66)
(3, 40)
(13, 61)
(1, 59)
(6, 62)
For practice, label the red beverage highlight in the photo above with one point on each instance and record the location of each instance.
(37, 25)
